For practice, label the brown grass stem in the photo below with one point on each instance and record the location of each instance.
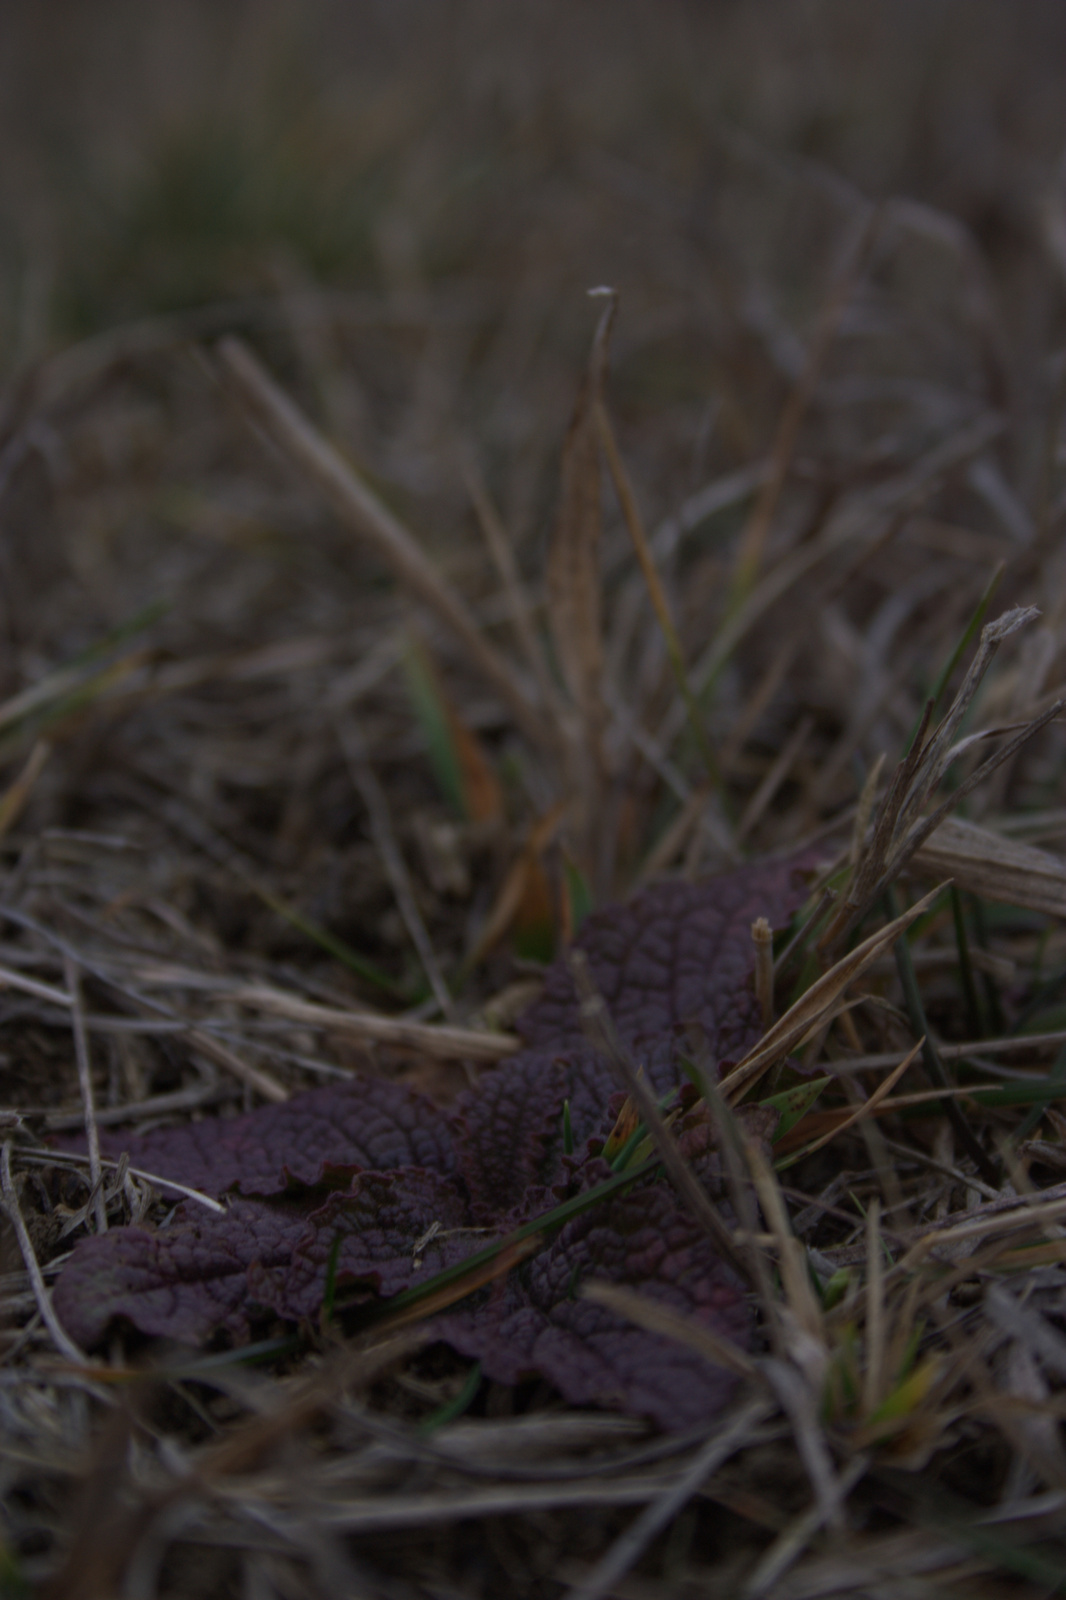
(627, 500)
(85, 1087)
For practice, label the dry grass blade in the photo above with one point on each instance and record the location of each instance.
(937, 754)
(987, 864)
(789, 1546)
(443, 1043)
(775, 777)
(256, 1078)
(805, 1312)
(62, 1340)
(660, 605)
(899, 830)
(465, 1283)
(731, 1438)
(85, 1085)
(861, 520)
(572, 566)
(503, 556)
(18, 792)
(657, 1318)
(54, 687)
(763, 940)
(677, 835)
(802, 1406)
(101, 1560)
(377, 807)
(436, 1508)
(363, 510)
(864, 811)
(877, 1102)
(60, 1158)
(816, 1003)
(32, 986)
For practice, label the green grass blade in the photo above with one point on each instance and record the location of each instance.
(969, 633)
(974, 1013)
(457, 1407)
(933, 1064)
(433, 722)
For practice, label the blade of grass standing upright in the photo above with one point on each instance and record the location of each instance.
(657, 594)
(574, 585)
(933, 1065)
(969, 634)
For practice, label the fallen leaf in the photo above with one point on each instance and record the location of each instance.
(396, 1190)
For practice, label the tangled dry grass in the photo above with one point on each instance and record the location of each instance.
(329, 703)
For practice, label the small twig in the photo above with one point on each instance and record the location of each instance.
(85, 1086)
(64, 1343)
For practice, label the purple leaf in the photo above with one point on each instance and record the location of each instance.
(506, 1127)
(680, 953)
(395, 1230)
(208, 1272)
(535, 1321)
(675, 954)
(184, 1281)
(319, 1137)
(401, 1190)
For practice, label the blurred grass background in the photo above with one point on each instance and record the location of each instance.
(404, 205)
(159, 155)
